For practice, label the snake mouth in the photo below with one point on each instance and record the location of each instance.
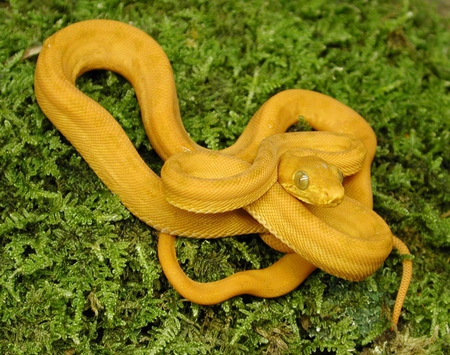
(326, 203)
(317, 196)
(327, 197)
(332, 202)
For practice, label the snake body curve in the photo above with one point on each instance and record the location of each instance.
(324, 238)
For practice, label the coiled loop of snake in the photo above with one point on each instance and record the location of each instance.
(212, 182)
(349, 241)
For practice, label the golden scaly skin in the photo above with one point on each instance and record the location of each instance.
(328, 238)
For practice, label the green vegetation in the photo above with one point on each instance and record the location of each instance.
(79, 274)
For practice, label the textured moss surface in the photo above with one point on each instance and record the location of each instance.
(79, 274)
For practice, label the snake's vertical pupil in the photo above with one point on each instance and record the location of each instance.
(301, 180)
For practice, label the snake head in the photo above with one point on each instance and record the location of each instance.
(311, 179)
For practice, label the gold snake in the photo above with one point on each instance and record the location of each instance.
(349, 240)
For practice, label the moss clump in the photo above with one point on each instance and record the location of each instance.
(79, 274)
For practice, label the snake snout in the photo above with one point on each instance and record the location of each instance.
(331, 196)
(333, 199)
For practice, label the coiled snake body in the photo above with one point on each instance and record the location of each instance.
(231, 192)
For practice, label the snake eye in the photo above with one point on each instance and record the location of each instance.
(301, 179)
(341, 176)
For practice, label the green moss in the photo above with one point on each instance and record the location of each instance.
(79, 274)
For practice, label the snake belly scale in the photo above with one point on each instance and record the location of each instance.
(327, 238)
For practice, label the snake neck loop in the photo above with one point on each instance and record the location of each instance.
(236, 183)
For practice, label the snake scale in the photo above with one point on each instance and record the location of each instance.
(242, 189)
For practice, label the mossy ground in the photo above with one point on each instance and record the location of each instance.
(79, 274)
